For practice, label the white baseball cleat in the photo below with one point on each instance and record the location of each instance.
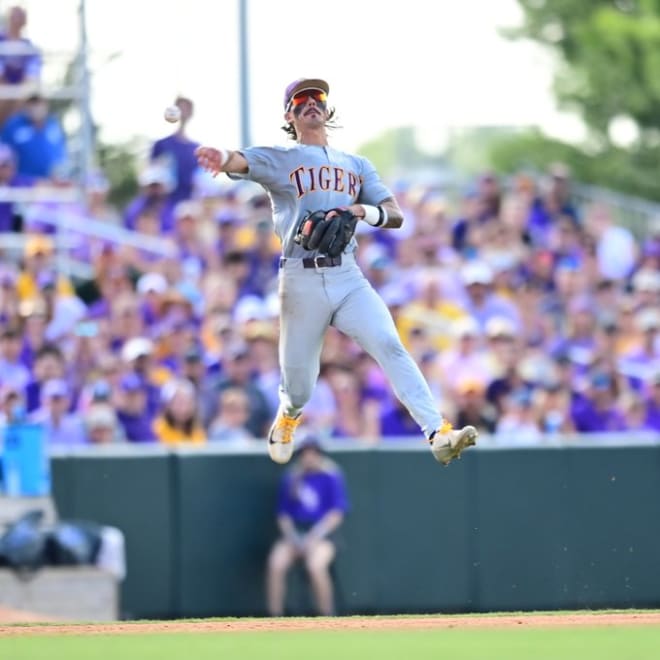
(447, 443)
(280, 437)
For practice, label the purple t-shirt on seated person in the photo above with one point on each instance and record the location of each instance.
(588, 419)
(136, 427)
(308, 496)
(141, 204)
(653, 416)
(396, 423)
(180, 152)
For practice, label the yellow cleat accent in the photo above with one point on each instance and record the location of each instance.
(280, 437)
(448, 444)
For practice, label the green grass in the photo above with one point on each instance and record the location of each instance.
(602, 643)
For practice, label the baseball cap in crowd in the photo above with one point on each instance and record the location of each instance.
(646, 280)
(187, 208)
(476, 272)
(55, 388)
(303, 84)
(601, 381)
(465, 327)
(500, 326)
(237, 350)
(101, 417)
(136, 347)
(37, 244)
(249, 308)
(172, 387)
(154, 174)
(101, 390)
(648, 319)
(154, 282)
(227, 217)
(194, 354)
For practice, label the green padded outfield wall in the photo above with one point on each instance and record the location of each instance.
(138, 495)
(499, 530)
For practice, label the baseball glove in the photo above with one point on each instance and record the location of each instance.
(327, 235)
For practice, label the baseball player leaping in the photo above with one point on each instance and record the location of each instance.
(320, 283)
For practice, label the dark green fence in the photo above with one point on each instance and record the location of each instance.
(500, 530)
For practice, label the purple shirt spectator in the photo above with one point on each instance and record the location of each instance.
(60, 427)
(308, 496)
(397, 423)
(178, 153)
(598, 413)
(589, 419)
(134, 413)
(653, 415)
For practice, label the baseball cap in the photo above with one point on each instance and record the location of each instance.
(194, 354)
(55, 388)
(38, 244)
(154, 282)
(227, 217)
(154, 174)
(102, 417)
(136, 347)
(101, 390)
(500, 326)
(304, 83)
(476, 272)
(187, 208)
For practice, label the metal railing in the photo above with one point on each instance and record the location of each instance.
(72, 230)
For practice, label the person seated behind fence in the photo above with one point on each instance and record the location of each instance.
(61, 428)
(229, 425)
(178, 421)
(311, 505)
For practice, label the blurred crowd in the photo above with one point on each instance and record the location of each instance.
(527, 314)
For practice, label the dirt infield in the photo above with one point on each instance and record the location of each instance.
(586, 619)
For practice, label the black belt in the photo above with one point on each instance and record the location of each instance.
(319, 261)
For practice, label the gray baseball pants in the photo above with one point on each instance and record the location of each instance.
(311, 299)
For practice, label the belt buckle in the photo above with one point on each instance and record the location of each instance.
(316, 263)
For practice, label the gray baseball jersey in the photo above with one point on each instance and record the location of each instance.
(305, 178)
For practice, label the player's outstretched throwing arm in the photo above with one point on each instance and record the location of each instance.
(221, 160)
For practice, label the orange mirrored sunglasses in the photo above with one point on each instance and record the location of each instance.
(302, 96)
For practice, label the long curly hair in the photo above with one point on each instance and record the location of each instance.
(330, 123)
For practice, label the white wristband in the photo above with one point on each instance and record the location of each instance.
(371, 214)
(224, 156)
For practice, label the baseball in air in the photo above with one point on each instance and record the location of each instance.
(172, 114)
